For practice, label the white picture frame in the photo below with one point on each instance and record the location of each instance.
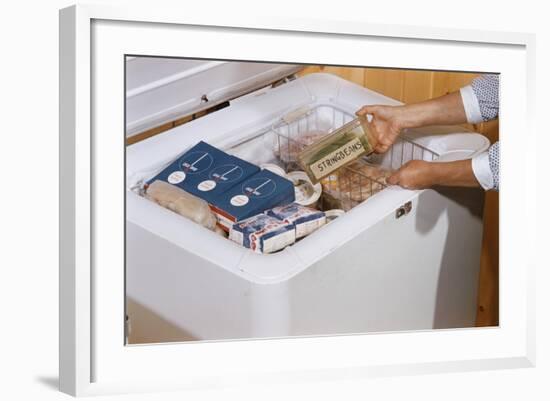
(93, 358)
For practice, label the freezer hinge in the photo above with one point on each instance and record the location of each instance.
(403, 210)
(284, 80)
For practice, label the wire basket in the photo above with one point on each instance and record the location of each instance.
(354, 183)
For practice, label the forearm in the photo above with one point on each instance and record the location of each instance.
(447, 109)
(457, 174)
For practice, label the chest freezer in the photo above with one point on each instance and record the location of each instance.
(397, 260)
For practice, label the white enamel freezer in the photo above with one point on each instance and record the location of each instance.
(400, 260)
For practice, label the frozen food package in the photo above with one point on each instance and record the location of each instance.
(263, 234)
(253, 196)
(334, 151)
(306, 220)
(181, 202)
(206, 171)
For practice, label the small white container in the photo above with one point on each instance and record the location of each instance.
(333, 214)
(305, 192)
(274, 169)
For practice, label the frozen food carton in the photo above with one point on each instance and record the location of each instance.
(263, 234)
(305, 219)
(206, 171)
(264, 190)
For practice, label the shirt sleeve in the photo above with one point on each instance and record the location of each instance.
(481, 98)
(486, 168)
(494, 164)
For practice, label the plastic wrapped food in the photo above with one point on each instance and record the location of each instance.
(337, 150)
(181, 202)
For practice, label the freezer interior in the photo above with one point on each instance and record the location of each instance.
(280, 144)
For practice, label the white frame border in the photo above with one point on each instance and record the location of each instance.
(75, 341)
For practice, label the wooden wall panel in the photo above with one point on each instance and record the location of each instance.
(447, 82)
(355, 75)
(386, 82)
(489, 129)
(417, 86)
(488, 294)
(310, 69)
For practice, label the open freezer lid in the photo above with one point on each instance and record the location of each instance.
(160, 90)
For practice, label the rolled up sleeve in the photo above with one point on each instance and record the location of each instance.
(481, 103)
(486, 168)
(482, 170)
(471, 105)
(481, 98)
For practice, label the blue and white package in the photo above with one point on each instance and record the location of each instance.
(206, 171)
(305, 219)
(264, 190)
(263, 234)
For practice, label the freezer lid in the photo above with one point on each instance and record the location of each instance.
(160, 90)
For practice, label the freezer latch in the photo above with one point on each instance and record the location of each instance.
(403, 210)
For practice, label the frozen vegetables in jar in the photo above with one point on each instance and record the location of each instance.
(343, 146)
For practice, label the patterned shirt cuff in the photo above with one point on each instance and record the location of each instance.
(482, 171)
(471, 105)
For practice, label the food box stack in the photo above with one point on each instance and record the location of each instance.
(234, 188)
(206, 172)
(253, 196)
(255, 206)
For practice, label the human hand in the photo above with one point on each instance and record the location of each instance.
(415, 174)
(385, 125)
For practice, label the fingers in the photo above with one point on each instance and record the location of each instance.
(366, 110)
(399, 177)
(394, 178)
(415, 174)
(381, 148)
